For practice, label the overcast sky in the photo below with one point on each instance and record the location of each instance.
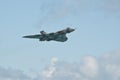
(92, 52)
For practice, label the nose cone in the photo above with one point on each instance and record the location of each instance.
(70, 30)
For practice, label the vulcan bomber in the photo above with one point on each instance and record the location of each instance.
(59, 36)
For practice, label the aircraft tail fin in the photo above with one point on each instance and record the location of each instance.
(43, 32)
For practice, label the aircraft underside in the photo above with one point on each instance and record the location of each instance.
(60, 38)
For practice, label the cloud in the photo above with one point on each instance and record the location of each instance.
(64, 8)
(49, 72)
(89, 67)
(105, 67)
(110, 63)
(12, 74)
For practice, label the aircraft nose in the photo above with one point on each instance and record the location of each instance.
(72, 30)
